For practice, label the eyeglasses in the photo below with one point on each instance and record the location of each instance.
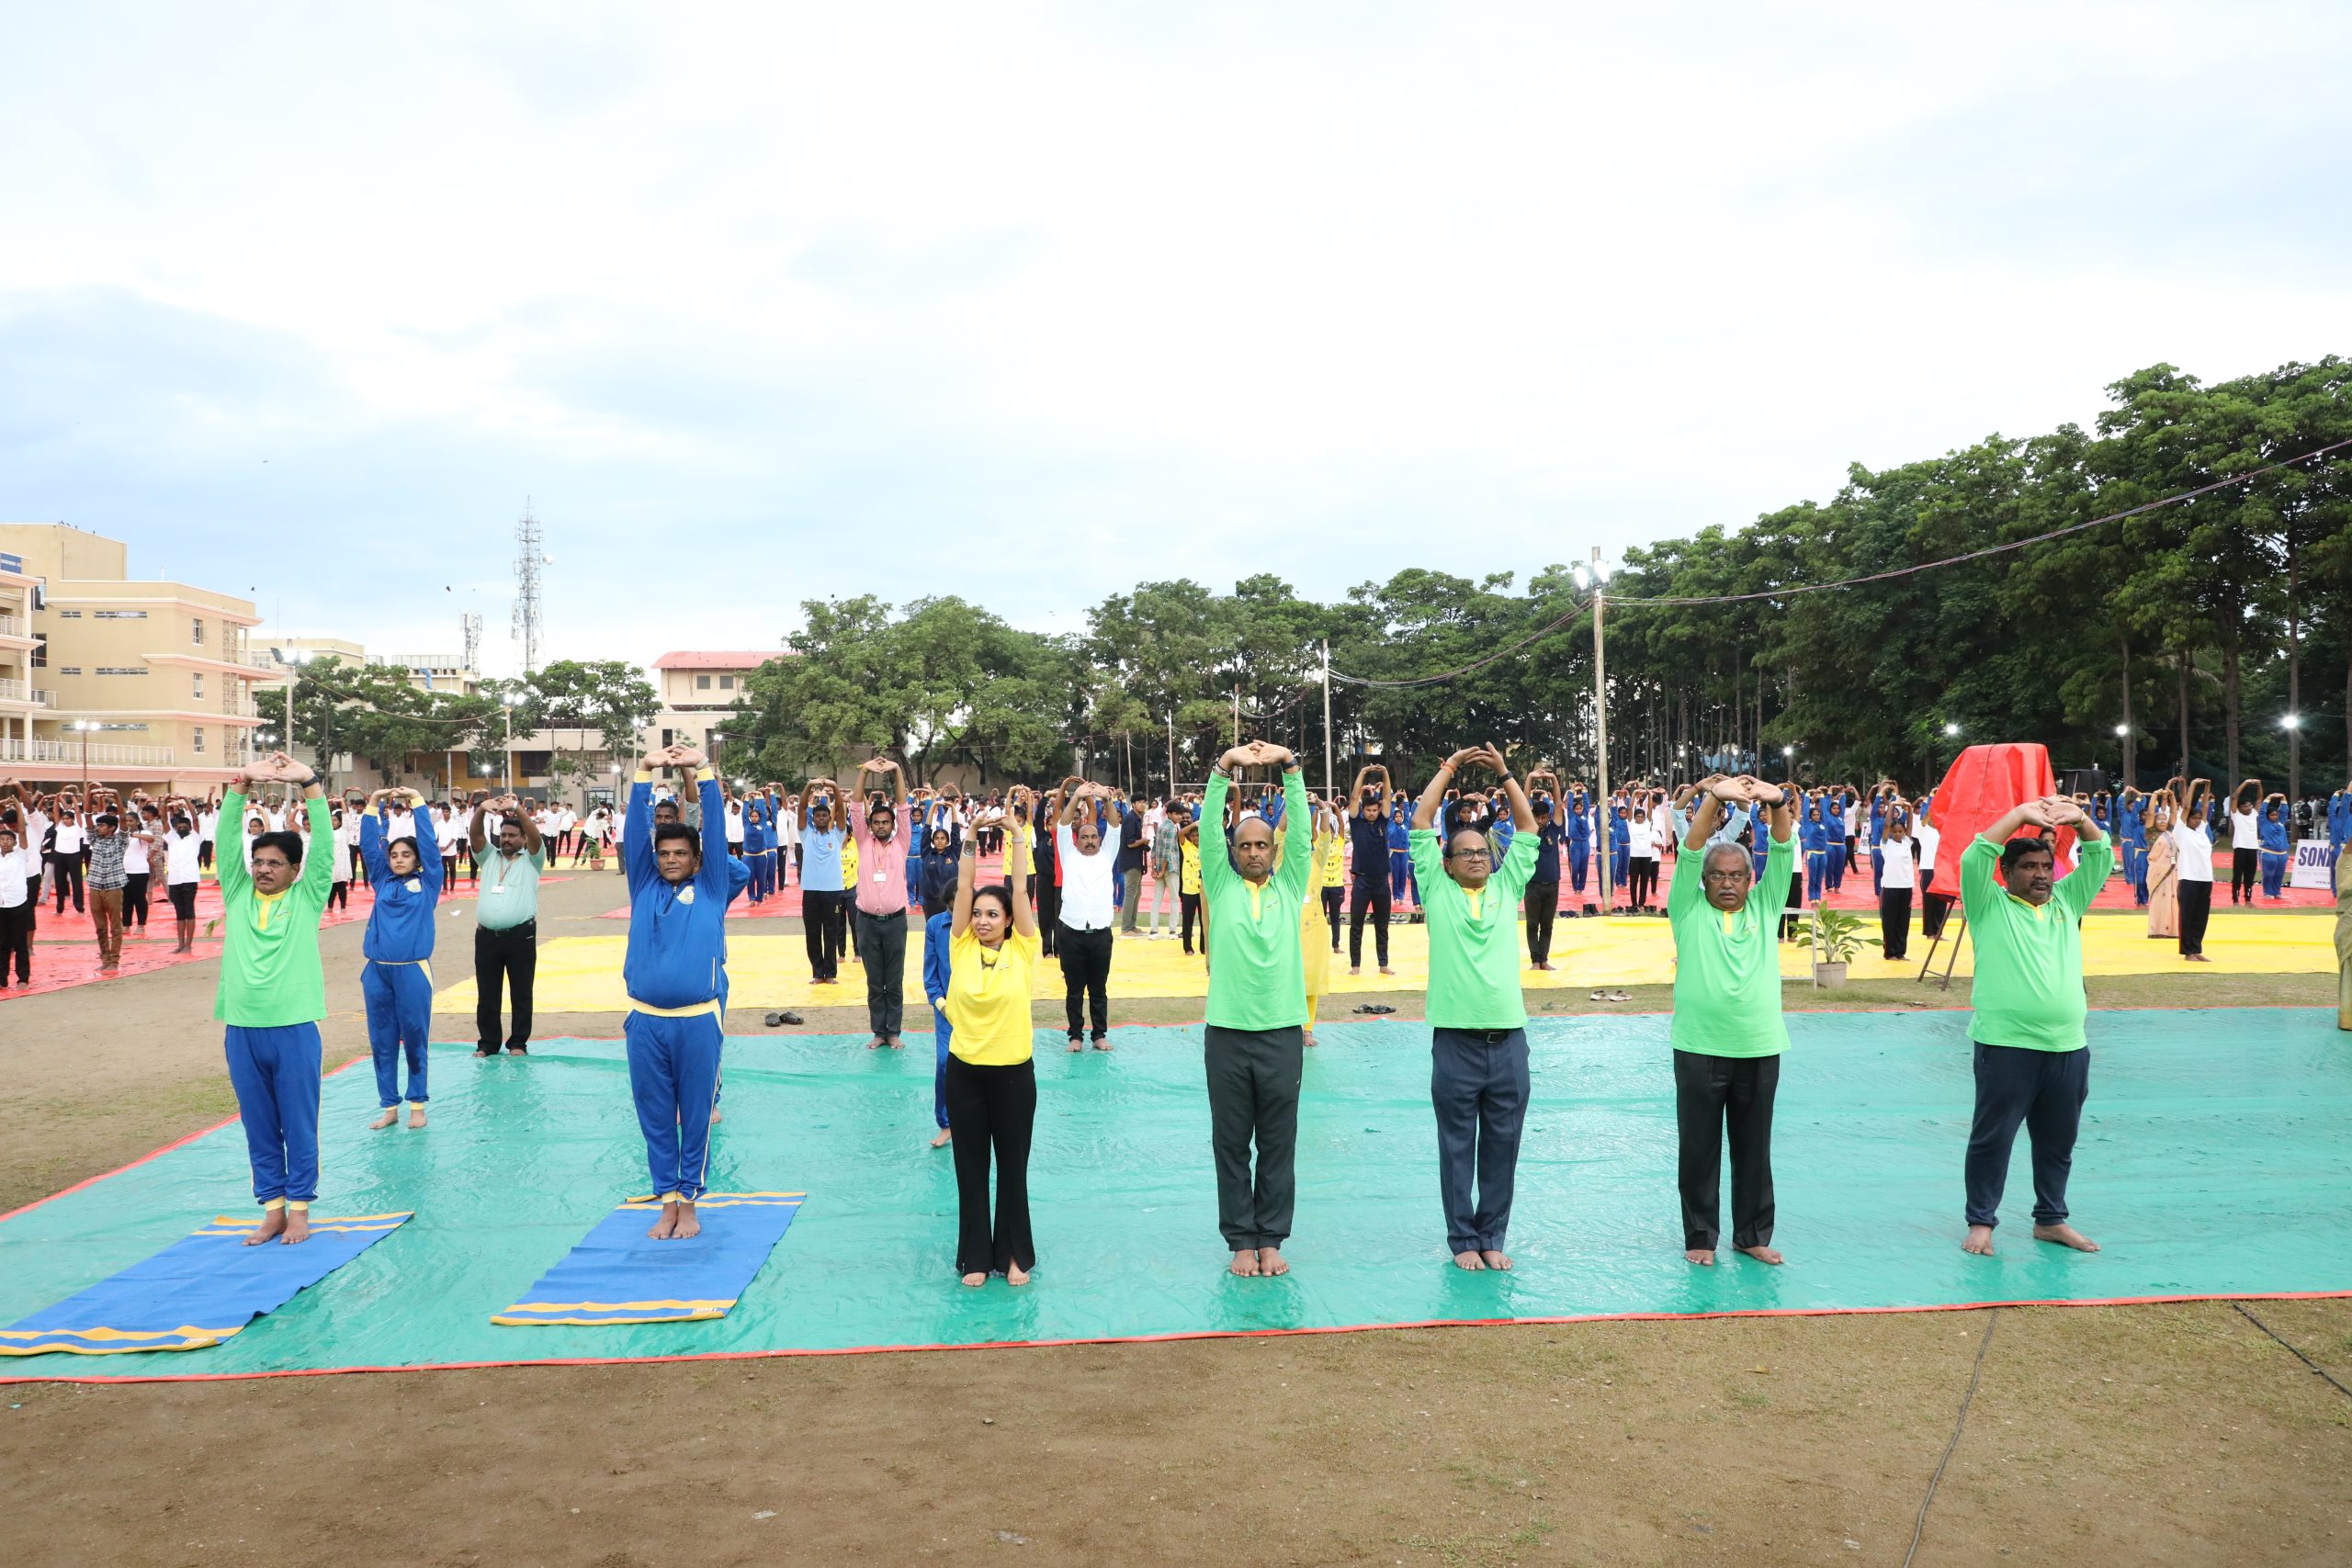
(1468, 855)
(1725, 875)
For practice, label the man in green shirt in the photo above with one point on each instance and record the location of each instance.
(1256, 1034)
(1478, 1015)
(273, 994)
(2033, 1058)
(1727, 1033)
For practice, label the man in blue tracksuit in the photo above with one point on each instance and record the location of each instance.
(1579, 839)
(2339, 827)
(1400, 857)
(937, 932)
(679, 886)
(759, 849)
(396, 982)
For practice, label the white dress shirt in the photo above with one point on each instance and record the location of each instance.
(1087, 900)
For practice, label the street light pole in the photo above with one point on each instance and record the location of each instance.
(84, 726)
(1327, 717)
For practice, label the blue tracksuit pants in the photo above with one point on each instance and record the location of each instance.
(1400, 877)
(276, 1074)
(2273, 872)
(1833, 873)
(1815, 864)
(943, 1033)
(399, 1012)
(674, 1077)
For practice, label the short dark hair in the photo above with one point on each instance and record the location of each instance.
(671, 832)
(289, 845)
(108, 820)
(2025, 844)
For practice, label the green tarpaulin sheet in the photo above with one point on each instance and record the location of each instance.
(2215, 1159)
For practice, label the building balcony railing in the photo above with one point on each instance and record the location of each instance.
(14, 626)
(24, 692)
(69, 753)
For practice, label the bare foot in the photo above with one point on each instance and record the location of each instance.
(2198, 958)
(1246, 1264)
(272, 1222)
(1468, 1259)
(1547, 968)
(1076, 1044)
(975, 1280)
(1762, 1254)
(1385, 970)
(877, 1043)
(687, 1224)
(415, 1116)
(940, 1142)
(717, 1115)
(298, 1225)
(897, 1044)
(1270, 1261)
(1310, 1037)
(1354, 970)
(1016, 1275)
(1103, 1045)
(667, 1225)
(2066, 1235)
(1704, 1257)
(1495, 1259)
(1979, 1240)
(391, 1114)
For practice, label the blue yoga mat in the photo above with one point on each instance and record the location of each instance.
(197, 1292)
(621, 1275)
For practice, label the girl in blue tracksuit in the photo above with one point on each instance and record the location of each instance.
(2132, 845)
(759, 849)
(1579, 837)
(937, 932)
(1400, 859)
(1832, 830)
(396, 981)
(1812, 836)
(675, 975)
(1620, 846)
(2275, 845)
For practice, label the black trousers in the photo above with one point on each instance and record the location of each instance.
(821, 927)
(65, 870)
(1190, 904)
(1368, 897)
(882, 948)
(991, 1111)
(2196, 912)
(1716, 1096)
(1789, 916)
(1333, 897)
(1542, 912)
(511, 956)
(1086, 977)
(1641, 880)
(1895, 921)
(16, 940)
(1478, 1085)
(1253, 1094)
(134, 899)
(182, 897)
(2245, 866)
(339, 894)
(1933, 906)
(1049, 910)
(2044, 1089)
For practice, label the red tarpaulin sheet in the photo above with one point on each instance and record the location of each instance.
(1979, 788)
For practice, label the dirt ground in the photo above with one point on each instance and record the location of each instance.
(2176, 1434)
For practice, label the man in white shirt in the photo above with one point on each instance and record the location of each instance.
(64, 851)
(19, 886)
(1933, 906)
(183, 867)
(1089, 902)
(448, 833)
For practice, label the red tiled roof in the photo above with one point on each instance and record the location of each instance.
(736, 660)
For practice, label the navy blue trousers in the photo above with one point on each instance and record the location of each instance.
(2042, 1089)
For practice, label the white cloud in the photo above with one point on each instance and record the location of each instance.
(1032, 303)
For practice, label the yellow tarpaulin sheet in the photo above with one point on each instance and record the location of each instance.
(582, 973)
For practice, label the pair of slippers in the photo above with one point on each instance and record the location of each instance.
(1374, 1009)
(1612, 996)
(774, 1019)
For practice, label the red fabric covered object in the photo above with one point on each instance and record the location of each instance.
(1979, 788)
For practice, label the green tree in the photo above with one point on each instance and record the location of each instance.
(572, 700)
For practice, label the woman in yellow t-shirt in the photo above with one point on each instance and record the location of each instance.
(1318, 935)
(991, 1086)
(1188, 884)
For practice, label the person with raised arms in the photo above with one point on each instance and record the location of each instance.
(990, 1084)
(1728, 1033)
(1254, 1044)
(272, 994)
(1478, 1014)
(2033, 1055)
(396, 981)
(679, 884)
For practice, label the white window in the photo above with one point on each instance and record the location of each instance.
(196, 632)
(117, 615)
(199, 683)
(121, 670)
(69, 615)
(199, 741)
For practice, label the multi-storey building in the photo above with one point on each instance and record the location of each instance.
(698, 691)
(149, 682)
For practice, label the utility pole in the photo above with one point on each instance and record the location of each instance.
(1237, 715)
(1600, 838)
(1326, 716)
(1171, 753)
(530, 554)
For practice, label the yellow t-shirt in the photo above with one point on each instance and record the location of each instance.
(849, 862)
(1335, 861)
(1188, 880)
(987, 1000)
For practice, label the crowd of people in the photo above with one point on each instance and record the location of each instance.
(1264, 898)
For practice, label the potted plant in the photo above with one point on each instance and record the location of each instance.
(1836, 937)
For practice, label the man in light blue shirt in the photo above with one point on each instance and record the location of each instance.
(506, 922)
(824, 895)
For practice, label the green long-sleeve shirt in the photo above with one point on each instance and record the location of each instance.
(1474, 939)
(2029, 986)
(269, 945)
(1257, 979)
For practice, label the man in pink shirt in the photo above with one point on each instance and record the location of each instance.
(881, 903)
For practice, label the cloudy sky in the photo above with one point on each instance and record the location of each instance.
(1029, 304)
